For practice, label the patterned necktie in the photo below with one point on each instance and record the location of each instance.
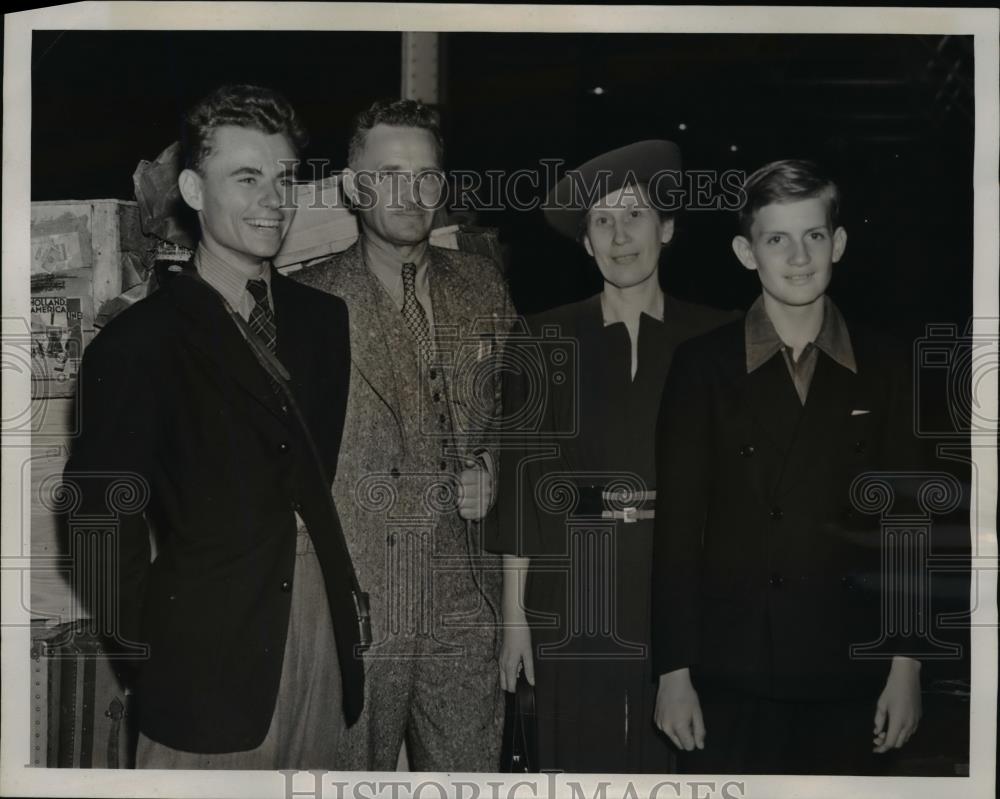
(413, 312)
(262, 317)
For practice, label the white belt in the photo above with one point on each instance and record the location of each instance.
(629, 515)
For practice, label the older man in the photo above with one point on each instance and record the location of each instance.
(203, 398)
(413, 477)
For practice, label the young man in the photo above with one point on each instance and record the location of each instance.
(239, 612)
(764, 574)
(408, 485)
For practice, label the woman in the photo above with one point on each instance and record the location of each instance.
(577, 492)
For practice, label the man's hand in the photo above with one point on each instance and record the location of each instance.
(475, 490)
(515, 653)
(678, 711)
(900, 703)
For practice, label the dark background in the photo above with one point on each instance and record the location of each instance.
(890, 115)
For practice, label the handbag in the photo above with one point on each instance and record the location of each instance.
(519, 754)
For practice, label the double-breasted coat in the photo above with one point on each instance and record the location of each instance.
(766, 566)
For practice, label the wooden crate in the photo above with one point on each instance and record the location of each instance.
(84, 254)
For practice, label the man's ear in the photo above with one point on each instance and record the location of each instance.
(839, 243)
(667, 232)
(586, 245)
(349, 185)
(744, 252)
(189, 183)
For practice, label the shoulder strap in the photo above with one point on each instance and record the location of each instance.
(277, 371)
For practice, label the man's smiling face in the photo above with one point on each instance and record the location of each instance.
(240, 193)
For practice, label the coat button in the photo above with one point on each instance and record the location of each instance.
(777, 514)
(284, 408)
(286, 585)
(437, 396)
(775, 580)
(859, 447)
(746, 450)
(283, 446)
(394, 472)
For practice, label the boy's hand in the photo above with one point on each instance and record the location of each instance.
(678, 711)
(900, 702)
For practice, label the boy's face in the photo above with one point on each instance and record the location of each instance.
(240, 194)
(624, 235)
(793, 250)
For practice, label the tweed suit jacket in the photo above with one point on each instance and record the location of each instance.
(384, 483)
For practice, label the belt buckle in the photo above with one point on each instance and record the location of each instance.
(629, 514)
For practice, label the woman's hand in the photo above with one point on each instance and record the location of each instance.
(515, 653)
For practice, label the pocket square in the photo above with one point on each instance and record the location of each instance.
(859, 412)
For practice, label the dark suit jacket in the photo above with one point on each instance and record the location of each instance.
(172, 396)
(764, 572)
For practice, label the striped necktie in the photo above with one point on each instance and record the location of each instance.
(414, 313)
(261, 316)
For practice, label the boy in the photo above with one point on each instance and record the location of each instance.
(763, 578)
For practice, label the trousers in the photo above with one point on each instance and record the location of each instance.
(448, 708)
(308, 720)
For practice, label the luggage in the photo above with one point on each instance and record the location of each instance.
(79, 710)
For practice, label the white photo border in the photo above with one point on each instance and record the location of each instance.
(982, 24)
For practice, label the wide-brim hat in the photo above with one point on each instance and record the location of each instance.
(654, 162)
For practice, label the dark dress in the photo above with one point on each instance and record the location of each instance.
(585, 423)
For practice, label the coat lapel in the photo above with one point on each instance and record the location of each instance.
(824, 416)
(370, 355)
(773, 402)
(212, 332)
(294, 338)
(449, 300)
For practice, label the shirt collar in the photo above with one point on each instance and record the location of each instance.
(227, 279)
(609, 317)
(386, 265)
(763, 341)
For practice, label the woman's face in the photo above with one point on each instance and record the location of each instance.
(624, 235)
